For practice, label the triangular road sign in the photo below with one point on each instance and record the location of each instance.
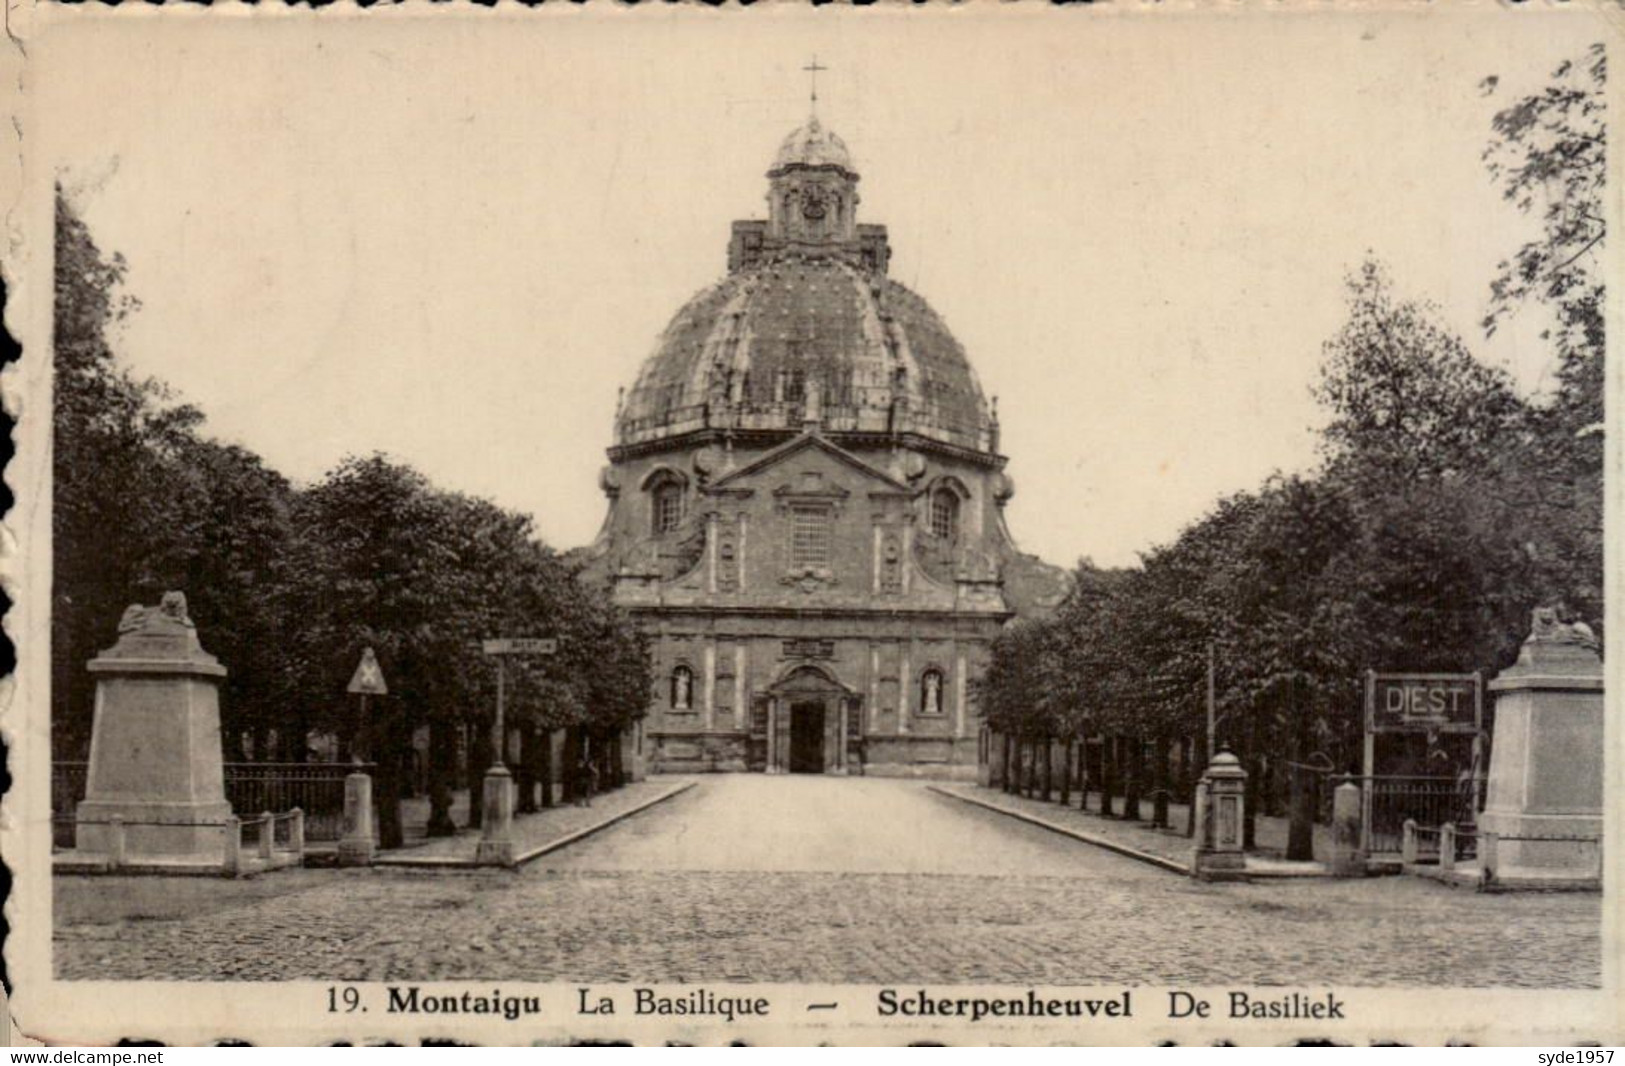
(368, 679)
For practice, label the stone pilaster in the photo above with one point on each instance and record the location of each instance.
(905, 695)
(874, 680)
(708, 691)
(711, 551)
(960, 711)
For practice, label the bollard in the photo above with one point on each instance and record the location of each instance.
(115, 841)
(1447, 847)
(296, 834)
(1218, 855)
(1407, 845)
(1489, 858)
(1348, 860)
(267, 835)
(234, 846)
(496, 846)
(358, 844)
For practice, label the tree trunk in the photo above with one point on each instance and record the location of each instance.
(1066, 772)
(1134, 786)
(1108, 774)
(1300, 841)
(1084, 776)
(572, 764)
(442, 765)
(1192, 776)
(1048, 767)
(524, 776)
(388, 787)
(479, 761)
(545, 766)
(1249, 762)
(1160, 781)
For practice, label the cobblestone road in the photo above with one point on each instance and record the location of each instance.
(817, 879)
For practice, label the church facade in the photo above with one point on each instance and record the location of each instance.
(806, 506)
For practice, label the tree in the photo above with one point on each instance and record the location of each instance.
(143, 503)
(1549, 157)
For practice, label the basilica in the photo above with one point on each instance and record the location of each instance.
(806, 506)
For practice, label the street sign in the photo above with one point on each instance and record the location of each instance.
(368, 679)
(1423, 703)
(520, 646)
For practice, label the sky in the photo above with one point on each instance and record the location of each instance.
(454, 242)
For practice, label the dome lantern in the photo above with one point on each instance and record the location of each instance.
(812, 188)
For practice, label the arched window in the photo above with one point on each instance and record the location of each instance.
(945, 514)
(682, 689)
(668, 507)
(931, 691)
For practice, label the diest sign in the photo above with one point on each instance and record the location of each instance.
(1415, 702)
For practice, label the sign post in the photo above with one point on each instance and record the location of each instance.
(496, 847)
(1431, 704)
(359, 842)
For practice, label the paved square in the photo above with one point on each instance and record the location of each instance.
(790, 878)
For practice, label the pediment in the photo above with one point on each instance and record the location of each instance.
(799, 485)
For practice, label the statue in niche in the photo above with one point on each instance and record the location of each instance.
(931, 694)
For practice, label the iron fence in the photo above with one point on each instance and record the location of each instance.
(252, 788)
(1388, 800)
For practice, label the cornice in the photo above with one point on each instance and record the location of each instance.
(767, 438)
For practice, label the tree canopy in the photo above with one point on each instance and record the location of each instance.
(288, 584)
(1445, 507)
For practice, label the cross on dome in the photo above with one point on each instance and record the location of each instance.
(813, 68)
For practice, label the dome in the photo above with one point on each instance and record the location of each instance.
(813, 146)
(794, 337)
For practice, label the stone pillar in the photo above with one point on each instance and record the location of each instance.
(359, 841)
(739, 553)
(740, 722)
(155, 758)
(1546, 756)
(1447, 847)
(1218, 855)
(1348, 857)
(496, 846)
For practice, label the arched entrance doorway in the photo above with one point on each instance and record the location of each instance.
(808, 724)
